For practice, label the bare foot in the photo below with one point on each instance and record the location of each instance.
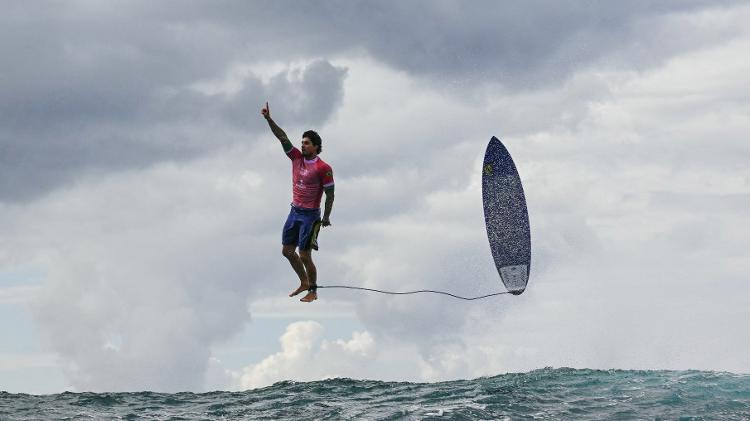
(310, 297)
(302, 287)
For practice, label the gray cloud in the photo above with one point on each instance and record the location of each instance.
(90, 88)
(134, 301)
(151, 267)
(163, 124)
(518, 44)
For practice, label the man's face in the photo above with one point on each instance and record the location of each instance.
(308, 148)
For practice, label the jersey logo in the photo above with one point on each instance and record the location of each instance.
(488, 169)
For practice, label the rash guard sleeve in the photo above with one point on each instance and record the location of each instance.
(294, 153)
(326, 176)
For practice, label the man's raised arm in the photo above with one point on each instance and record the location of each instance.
(285, 142)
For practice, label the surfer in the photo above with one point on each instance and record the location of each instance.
(310, 178)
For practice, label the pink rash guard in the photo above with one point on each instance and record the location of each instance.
(309, 178)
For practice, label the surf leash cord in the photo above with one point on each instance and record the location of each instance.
(413, 292)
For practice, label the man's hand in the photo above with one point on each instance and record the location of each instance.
(266, 112)
(325, 222)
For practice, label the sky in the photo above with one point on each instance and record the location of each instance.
(142, 195)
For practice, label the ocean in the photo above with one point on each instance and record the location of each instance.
(561, 393)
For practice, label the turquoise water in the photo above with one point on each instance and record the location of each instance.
(541, 394)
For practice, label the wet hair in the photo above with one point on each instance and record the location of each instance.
(314, 138)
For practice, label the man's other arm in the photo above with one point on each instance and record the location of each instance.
(329, 205)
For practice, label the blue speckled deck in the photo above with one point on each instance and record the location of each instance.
(506, 217)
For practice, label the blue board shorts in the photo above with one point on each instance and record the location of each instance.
(301, 228)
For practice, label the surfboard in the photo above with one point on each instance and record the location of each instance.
(506, 217)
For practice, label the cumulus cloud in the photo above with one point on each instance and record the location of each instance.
(92, 89)
(633, 170)
(168, 123)
(305, 355)
(522, 44)
(635, 214)
(132, 293)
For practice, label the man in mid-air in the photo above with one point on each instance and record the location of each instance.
(310, 178)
